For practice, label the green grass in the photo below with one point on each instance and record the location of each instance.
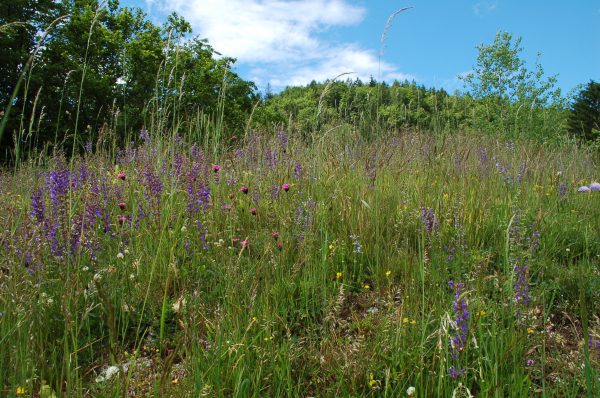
(316, 318)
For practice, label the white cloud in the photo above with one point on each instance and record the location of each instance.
(484, 7)
(265, 30)
(283, 42)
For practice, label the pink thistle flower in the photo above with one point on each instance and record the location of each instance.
(285, 187)
(244, 189)
(122, 219)
(121, 175)
(216, 168)
(275, 235)
(122, 205)
(245, 243)
(253, 211)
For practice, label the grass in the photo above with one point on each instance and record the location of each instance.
(187, 293)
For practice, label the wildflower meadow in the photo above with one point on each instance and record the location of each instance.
(462, 266)
(168, 229)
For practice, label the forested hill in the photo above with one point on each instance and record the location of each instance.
(374, 106)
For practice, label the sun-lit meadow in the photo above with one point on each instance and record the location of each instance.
(414, 264)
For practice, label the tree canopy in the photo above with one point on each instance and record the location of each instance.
(107, 67)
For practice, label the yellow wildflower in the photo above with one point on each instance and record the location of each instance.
(388, 273)
(20, 390)
(367, 286)
(404, 320)
(372, 381)
(413, 321)
(338, 275)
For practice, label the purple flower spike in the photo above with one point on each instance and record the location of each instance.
(584, 189)
(595, 186)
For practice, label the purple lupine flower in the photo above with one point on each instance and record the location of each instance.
(203, 232)
(595, 186)
(504, 171)
(304, 216)
(455, 373)
(275, 192)
(271, 156)
(521, 282)
(198, 197)
(562, 189)
(458, 340)
(534, 240)
(38, 209)
(58, 184)
(282, 138)
(153, 189)
(594, 344)
(521, 172)
(429, 220)
(356, 243)
(297, 170)
(584, 189)
(178, 160)
(144, 136)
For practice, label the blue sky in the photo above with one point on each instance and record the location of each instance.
(291, 42)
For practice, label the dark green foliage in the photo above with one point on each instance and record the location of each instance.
(585, 113)
(102, 71)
